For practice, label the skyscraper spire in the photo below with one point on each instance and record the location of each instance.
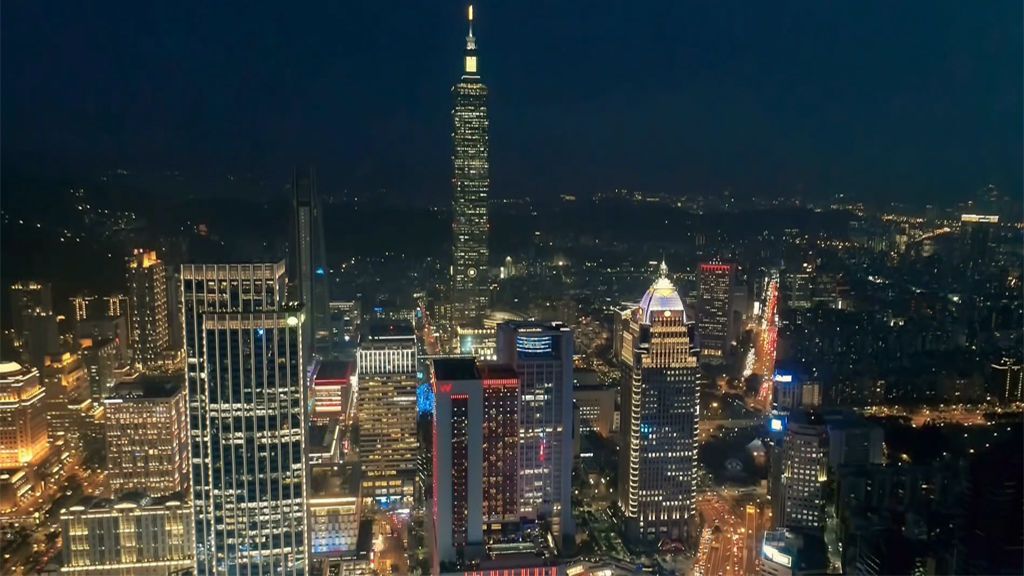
(470, 47)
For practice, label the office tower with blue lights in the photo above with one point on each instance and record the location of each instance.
(541, 355)
(311, 262)
(242, 355)
(148, 329)
(471, 179)
(658, 454)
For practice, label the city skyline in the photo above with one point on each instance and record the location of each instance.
(251, 379)
(880, 101)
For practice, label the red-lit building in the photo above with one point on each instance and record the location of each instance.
(332, 391)
(475, 447)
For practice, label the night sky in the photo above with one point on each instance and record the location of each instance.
(918, 101)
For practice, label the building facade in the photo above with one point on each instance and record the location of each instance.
(541, 354)
(310, 262)
(68, 403)
(22, 416)
(147, 437)
(149, 333)
(386, 410)
(716, 282)
(256, 412)
(471, 179)
(215, 288)
(799, 501)
(132, 536)
(475, 452)
(335, 508)
(658, 455)
(28, 297)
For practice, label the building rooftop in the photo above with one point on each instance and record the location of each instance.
(129, 500)
(147, 388)
(390, 329)
(496, 371)
(334, 480)
(662, 295)
(332, 370)
(455, 369)
(803, 551)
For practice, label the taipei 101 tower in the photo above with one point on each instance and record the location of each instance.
(471, 181)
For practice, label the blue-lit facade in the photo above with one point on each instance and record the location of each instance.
(541, 354)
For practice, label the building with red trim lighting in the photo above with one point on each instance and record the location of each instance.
(332, 391)
(475, 447)
(716, 282)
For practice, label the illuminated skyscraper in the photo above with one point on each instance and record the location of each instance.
(541, 354)
(147, 437)
(799, 500)
(256, 401)
(147, 296)
(310, 261)
(714, 326)
(22, 416)
(471, 179)
(658, 459)
(28, 297)
(386, 410)
(210, 288)
(475, 455)
(67, 400)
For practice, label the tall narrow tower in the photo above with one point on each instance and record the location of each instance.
(471, 179)
(310, 262)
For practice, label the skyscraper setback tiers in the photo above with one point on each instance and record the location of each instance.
(471, 181)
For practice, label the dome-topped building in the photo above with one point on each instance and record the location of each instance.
(658, 475)
(662, 296)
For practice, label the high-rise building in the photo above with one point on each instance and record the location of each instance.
(658, 458)
(311, 262)
(210, 288)
(471, 179)
(798, 500)
(22, 416)
(114, 328)
(386, 410)
(133, 536)
(147, 295)
(792, 391)
(101, 358)
(475, 455)
(147, 437)
(88, 306)
(28, 297)
(67, 400)
(39, 337)
(334, 509)
(541, 354)
(716, 282)
(256, 413)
